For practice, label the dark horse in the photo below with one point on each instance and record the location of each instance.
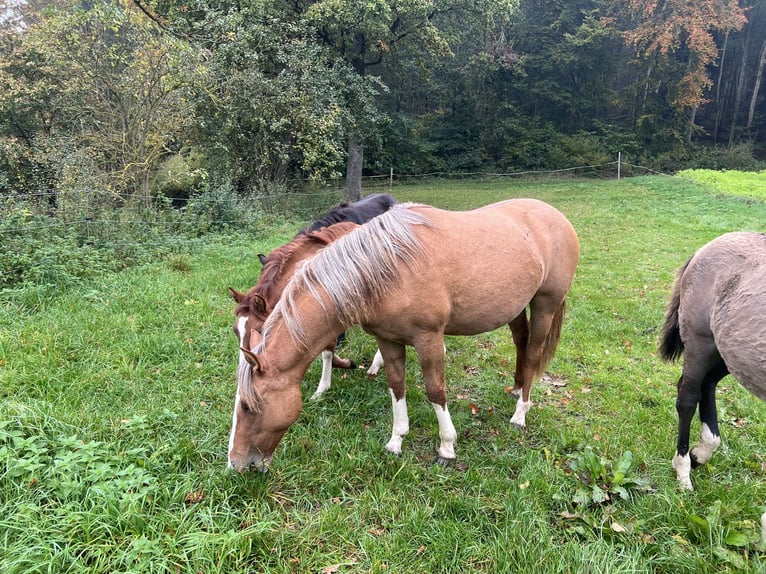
(358, 212)
(715, 317)
(409, 277)
(281, 263)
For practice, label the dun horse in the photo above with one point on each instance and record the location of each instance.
(715, 318)
(255, 306)
(409, 277)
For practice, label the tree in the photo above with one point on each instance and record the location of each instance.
(105, 95)
(357, 35)
(685, 31)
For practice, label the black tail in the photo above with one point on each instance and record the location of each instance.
(671, 346)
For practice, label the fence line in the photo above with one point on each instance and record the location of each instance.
(386, 179)
(276, 197)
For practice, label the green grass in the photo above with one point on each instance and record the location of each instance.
(115, 406)
(746, 185)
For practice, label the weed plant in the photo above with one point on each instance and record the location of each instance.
(116, 397)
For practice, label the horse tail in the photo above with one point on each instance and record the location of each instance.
(671, 346)
(552, 340)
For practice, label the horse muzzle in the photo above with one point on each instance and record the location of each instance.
(258, 463)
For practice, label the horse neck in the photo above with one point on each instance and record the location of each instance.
(320, 330)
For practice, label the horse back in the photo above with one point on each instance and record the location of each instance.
(483, 267)
(515, 236)
(708, 277)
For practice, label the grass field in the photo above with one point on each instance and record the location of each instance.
(115, 406)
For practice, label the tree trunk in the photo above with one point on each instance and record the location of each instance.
(739, 93)
(353, 189)
(757, 85)
(718, 102)
(691, 124)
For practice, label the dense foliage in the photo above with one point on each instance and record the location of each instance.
(125, 101)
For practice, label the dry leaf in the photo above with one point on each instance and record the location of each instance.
(474, 409)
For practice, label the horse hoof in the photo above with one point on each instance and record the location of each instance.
(516, 393)
(441, 461)
(351, 364)
(517, 426)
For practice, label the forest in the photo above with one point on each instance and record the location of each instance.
(106, 103)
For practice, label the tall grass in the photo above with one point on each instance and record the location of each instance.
(115, 406)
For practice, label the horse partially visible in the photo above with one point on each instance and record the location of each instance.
(255, 306)
(409, 277)
(357, 212)
(278, 267)
(715, 318)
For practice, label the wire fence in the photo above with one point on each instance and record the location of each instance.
(299, 199)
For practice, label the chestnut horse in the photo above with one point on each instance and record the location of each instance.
(278, 267)
(254, 307)
(715, 318)
(409, 277)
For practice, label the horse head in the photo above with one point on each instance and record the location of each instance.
(264, 408)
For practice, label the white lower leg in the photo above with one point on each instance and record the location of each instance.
(324, 382)
(447, 432)
(377, 363)
(401, 424)
(519, 418)
(683, 467)
(707, 446)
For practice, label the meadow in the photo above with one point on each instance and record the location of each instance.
(116, 397)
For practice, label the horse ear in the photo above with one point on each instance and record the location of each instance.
(258, 304)
(252, 360)
(262, 258)
(236, 295)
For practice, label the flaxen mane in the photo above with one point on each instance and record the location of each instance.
(265, 291)
(354, 272)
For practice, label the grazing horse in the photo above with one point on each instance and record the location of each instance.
(254, 306)
(715, 318)
(409, 277)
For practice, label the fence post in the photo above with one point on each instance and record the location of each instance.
(619, 163)
(391, 178)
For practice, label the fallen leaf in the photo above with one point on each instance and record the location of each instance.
(474, 409)
(194, 497)
(617, 527)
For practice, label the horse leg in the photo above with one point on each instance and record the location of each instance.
(325, 380)
(710, 436)
(520, 333)
(394, 355)
(700, 365)
(430, 351)
(540, 323)
(338, 362)
(377, 363)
